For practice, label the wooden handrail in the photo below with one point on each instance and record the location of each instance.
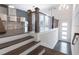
(75, 34)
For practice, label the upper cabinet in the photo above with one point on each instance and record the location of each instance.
(3, 10)
(21, 13)
(3, 17)
(11, 11)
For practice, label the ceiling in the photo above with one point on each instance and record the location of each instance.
(32, 6)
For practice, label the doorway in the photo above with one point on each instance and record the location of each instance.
(64, 30)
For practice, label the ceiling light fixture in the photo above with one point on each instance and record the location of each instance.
(10, 6)
(63, 6)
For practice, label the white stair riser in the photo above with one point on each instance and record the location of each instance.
(30, 49)
(5, 50)
(11, 38)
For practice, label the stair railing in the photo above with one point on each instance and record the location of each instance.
(75, 38)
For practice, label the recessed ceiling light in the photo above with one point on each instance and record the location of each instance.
(67, 7)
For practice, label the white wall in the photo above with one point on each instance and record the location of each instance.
(48, 39)
(75, 29)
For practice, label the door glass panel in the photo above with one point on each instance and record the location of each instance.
(64, 31)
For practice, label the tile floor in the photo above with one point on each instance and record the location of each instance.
(64, 47)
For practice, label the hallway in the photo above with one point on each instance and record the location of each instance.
(64, 47)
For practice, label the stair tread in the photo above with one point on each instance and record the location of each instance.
(7, 44)
(36, 51)
(21, 49)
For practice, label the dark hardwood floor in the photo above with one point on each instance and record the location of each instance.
(48, 51)
(36, 51)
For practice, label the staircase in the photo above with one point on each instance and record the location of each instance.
(22, 46)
